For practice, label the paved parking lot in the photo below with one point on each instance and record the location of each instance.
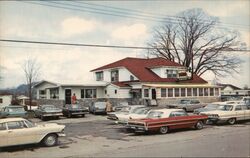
(96, 136)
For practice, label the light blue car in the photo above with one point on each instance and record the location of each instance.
(13, 111)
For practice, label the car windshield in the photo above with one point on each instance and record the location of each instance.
(154, 114)
(100, 104)
(212, 106)
(135, 109)
(143, 111)
(184, 101)
(225, 107)
(125, 109)
(29, 124)
(16, 109)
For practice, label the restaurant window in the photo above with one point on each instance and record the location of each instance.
(1, 100)
(170, 92)
(189, 92)
(163, 92)
(115, 91)
(99, 76)
(171, 73)
(114, 75)
(211, 92)
(146, 93)
(176, 92)
(195, 91)
(205, 91)
(82, 93)
(200, 91)
(105, 91)
(42, 92)
(183, 92)
(216, 91)
(88, 93)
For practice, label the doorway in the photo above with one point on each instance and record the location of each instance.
(153, 91)
(67, 96)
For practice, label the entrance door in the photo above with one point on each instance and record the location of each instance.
(67, 96)
(153, 91)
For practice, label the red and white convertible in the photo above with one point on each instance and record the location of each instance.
(163, 120)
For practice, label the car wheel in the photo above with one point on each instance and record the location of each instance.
(164, 130)
(83, 115)
(199, 125)
(42, 118)
(50, 140)
(94, 112)
(231, 121)
(185, 109)
(69, 115)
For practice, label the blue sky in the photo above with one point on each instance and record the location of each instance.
(27, 21)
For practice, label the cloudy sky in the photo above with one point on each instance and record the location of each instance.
(127, 23)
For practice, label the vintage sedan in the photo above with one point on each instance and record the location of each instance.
(19, 131)
(209, 107)
(163, 120)
(48, 111)
(187, 104)
(138, 113)
(228, 113)
(124, 110)
(70, 110)
(13, 111)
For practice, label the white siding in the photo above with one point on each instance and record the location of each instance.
(43, 86)
(121, 92)
(6, 100)
(124, 75)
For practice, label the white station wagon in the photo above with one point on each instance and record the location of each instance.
(19, 131)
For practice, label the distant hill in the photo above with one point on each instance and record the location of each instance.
(19, 90)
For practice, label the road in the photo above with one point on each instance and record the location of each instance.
(94, 136)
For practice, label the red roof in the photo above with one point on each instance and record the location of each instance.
(120, 84)
(141, 69)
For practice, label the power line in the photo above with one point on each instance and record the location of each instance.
(149, 14)
(95, 45)
(110, 13)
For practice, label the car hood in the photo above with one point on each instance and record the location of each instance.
(214, 112)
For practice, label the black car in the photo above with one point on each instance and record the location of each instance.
(74, 109)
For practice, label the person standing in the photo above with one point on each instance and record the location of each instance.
(108, 106)
(73, 99)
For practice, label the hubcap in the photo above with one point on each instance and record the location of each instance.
(199, 125)
(50, 140)
(231, 121)
(164, 129)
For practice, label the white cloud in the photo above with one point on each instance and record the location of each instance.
(132, 32)
(75, 25)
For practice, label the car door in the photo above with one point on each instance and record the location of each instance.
(19, 133)
(179, 120)
(240, 113)
(195, 104)
(4, 135)
(246, 112)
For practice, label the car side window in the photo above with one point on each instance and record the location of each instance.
(177, 113)
(2, 126)
(16, 125)
(195, 102)
(238, 107)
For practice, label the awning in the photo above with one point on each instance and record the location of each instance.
(181, 86)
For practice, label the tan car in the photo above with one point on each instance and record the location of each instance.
(228, 113)
(19, 131)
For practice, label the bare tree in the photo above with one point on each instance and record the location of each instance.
(193, 41)
(31, 70)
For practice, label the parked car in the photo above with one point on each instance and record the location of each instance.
(137, 113)
(98, 107)
(13, 111)
(124, 110)
(48, 111)
(19, 131)
(228, 113)
(70, 110)
(188, 104)
(209, 107)
(163, 120)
